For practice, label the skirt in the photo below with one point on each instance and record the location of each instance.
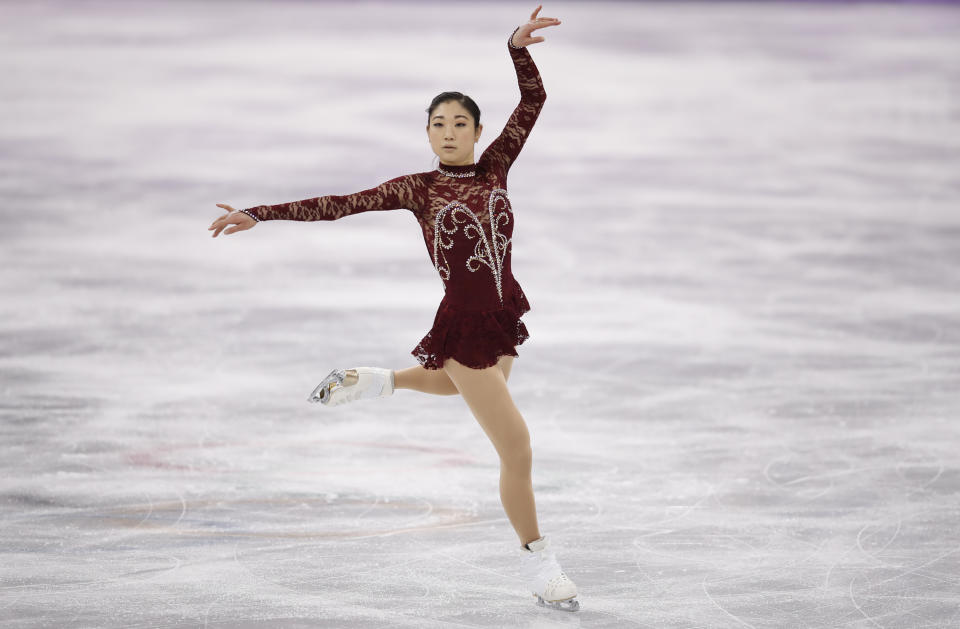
(475, 338)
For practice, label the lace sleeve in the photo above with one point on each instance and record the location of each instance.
(506, 147)
(397, 193)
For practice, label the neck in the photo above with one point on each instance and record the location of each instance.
(467, 161)
(463, 164)
(457, 170)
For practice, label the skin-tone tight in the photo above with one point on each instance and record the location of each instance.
(485, 392)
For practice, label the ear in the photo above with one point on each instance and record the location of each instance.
(479, 131)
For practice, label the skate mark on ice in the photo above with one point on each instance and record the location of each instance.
(916, 569)
(922, 488)
(703, 586)
(433, 550)
(853, 600)
(873, 555)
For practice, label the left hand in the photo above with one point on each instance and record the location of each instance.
(522, 37)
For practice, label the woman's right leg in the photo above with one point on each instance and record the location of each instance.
(487, 395)
(437, 381)
(418, 378)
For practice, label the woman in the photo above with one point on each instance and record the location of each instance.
(467, 223)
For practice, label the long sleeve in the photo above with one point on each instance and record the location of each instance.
(396, 193)
(506, 147)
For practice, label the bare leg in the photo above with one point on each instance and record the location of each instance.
(418, 378)
(436, 381)
(487, 395)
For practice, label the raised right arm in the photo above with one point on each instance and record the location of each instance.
(396, 193)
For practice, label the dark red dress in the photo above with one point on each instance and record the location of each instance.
(467, 225)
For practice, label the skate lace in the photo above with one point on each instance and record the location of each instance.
(557, 582)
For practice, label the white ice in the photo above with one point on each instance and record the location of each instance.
(738, 228)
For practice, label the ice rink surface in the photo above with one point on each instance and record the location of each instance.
(739, 230)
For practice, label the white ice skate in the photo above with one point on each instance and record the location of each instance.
(546, 579)
(346, 385)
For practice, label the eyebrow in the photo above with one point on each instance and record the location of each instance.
(457, 116)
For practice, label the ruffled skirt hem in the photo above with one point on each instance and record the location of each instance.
(476, 339)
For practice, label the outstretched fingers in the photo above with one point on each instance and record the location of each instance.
(218, 222)
(232, 217)
(542, 21)
(539, 22)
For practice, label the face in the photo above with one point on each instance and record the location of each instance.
(452, 125)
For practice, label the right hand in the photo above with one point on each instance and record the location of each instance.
(240, 221)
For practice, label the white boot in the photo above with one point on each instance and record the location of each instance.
(546, 579)
(346, 385)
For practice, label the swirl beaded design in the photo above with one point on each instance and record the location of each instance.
(489, 253)
(498, 238)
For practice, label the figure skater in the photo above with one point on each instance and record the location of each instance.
(467, 224)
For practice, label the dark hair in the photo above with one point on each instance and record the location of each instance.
(461, 98)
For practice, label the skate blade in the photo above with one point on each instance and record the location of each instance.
(566, 605)
(322, 391)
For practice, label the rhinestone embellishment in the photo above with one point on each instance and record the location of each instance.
(450, 174)
(510, 39)
(489, 253)
(250, 214)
